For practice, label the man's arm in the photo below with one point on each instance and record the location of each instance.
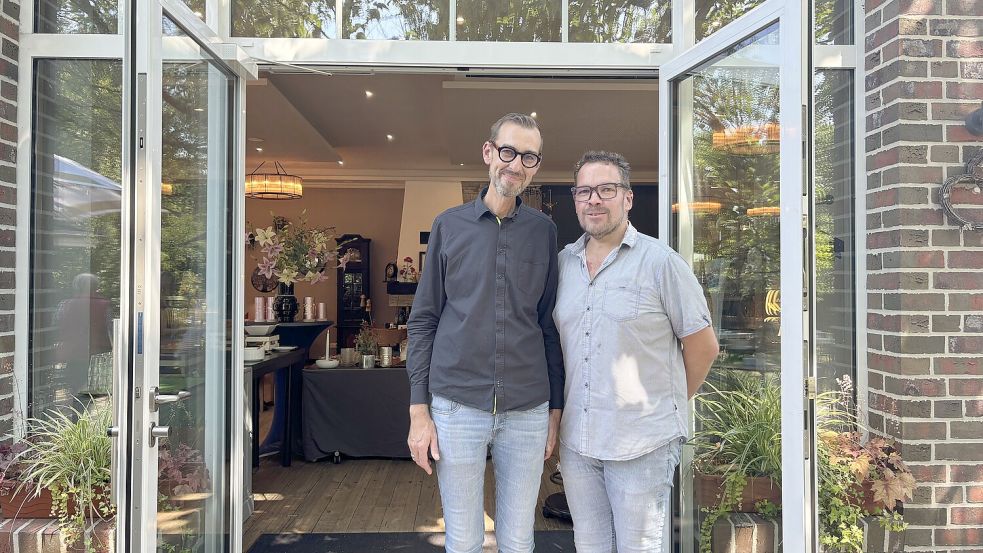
(421, 329)
(551, 341)
(699, 351)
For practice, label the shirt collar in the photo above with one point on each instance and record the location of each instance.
(480, 208)
(630, 238)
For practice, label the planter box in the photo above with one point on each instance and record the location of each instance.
(23, 504)
(707, 488)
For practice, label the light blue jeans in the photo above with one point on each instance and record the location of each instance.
(518, 442)
(619, 506)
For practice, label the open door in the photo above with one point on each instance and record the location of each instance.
(733, 174)
(182, 312)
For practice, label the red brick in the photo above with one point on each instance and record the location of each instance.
(965, 473)
(920, 7)
(972, 387)
(966, 259)
(968, 91)
(965, 48)
(959, 365)
(960, 536)
(959, 281)
(964, 7)
(966, 515)
(928, 473)
(958, 133)
(974, 408)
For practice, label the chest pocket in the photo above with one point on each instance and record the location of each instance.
(620, 301)
(532, 269)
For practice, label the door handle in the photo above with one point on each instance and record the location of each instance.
(159, 399)
(113, 432)
(158, 432)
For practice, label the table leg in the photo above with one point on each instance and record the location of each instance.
(288, 435)
(255, 418)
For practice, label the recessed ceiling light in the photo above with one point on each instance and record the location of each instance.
(340, 162)
(533, 114)
(460, 21)
(368, 94)
(199, 109)
(462, 165)
(389, 137)
(254, 139)
(259, 149)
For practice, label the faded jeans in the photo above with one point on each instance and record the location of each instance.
(619, 506)
(518, 441)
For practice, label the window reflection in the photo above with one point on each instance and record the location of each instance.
(726, 224)
(620, 21)
(75, 263)
(713, 15)
(396, 19)
(834, 21)
(284, 18)
(71, 16)
(509, 20)
(834, 232)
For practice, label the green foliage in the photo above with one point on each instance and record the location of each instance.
(645, 21)
(365, 341)
(734, 484)
(70, 454)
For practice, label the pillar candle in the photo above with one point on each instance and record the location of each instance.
(259, 309)
(322, 311)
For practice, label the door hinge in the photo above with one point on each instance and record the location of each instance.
(811, 387)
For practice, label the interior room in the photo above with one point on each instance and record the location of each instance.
(378, 155)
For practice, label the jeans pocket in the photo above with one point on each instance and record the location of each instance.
(441, 405)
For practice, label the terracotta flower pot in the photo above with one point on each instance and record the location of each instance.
(708, 487)
(22, 504)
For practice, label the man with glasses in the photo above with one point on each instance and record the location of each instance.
(637, 344)
(483, 349)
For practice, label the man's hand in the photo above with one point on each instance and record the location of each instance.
(422, 437)
(554, 430)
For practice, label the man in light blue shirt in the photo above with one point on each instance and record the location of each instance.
(637, 344)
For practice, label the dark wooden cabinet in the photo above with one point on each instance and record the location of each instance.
(353, 282)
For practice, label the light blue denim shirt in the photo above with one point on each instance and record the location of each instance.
(625, 383)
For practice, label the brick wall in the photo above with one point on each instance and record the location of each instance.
(9, 35)
(924, 62)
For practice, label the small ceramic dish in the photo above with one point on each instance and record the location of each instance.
(326, 363)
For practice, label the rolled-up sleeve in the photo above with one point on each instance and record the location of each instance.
(424, 319)
(551, 337)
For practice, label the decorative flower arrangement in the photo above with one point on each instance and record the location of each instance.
(296, 252)
(407, 273)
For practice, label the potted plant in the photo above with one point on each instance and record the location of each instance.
(69, 456)
(367, 345)
(738, 461)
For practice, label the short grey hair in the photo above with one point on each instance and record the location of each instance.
(611, 158)
(519, 119)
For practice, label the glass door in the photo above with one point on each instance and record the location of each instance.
(732, 177)
(184, 145)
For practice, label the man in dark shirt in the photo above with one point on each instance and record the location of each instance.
(483, 349)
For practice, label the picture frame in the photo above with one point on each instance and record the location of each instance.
(421, 259)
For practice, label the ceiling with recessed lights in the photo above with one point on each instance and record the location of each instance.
(438, 122)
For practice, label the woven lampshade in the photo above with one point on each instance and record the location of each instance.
(749, 139)
(274, 186)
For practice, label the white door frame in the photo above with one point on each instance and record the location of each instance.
(794, 89)
(145, 46)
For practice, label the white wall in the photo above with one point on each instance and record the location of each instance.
(422, 202)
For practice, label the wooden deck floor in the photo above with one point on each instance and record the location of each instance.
(360, 496)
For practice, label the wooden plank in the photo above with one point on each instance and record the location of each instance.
(401, 514)
(340, 509)
(429, 515)
(374, 499)
(331, 480)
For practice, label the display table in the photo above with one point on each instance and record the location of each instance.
(285, 414)
(355, 412)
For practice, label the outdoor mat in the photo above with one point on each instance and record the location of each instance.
(552, 541)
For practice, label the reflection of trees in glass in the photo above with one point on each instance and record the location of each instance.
(509, 20)
(737, 254)
(712, 15)
(648, 21)
(834, 21)
(396, 19)
(284, 18)
(77, 16)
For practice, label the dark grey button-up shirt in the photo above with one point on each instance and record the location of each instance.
(481, 331)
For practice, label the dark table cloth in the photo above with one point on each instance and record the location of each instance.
(357, 412)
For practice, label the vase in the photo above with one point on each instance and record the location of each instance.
(285, 304)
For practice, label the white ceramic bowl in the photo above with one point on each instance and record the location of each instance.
(259, 330)
(326, 363)
(253, 354)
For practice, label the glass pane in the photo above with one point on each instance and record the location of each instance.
(712, 15)
(74, 17)
(284, 18)
(725, 221)
(834, 261)
(834, 21)
(620, 21)
(509, 20)
(75, 259)
(197, 6)
(396, 19)
(195, 304)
